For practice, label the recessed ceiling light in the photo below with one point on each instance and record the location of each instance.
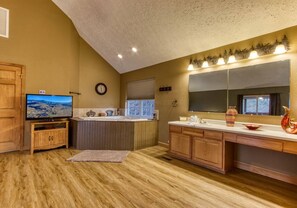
(120, 56)
(134, 49)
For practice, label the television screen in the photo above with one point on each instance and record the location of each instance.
(48, 106)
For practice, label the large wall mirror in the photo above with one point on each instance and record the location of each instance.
(259, 89)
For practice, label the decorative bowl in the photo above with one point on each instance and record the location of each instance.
(252, 126)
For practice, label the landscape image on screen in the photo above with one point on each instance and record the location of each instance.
(48, 106)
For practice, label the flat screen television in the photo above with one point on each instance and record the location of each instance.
(39, 106)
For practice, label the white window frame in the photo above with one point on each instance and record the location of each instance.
(257, 97)
(141, 109)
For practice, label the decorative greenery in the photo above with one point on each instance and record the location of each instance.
(241, 54)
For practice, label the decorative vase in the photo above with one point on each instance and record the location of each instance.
(287, 124)
(230, 115)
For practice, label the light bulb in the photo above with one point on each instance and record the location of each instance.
(221, 61)
(231, 59)
(134, 49)
(190, 67)
(120, 56)
(253, 54)
(280, 49)
(204, 64)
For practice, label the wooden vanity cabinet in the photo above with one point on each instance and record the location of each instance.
(208, 149)
(179, 143)
(215, 149)
(199, 146)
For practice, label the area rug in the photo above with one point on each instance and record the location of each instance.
(114, 156)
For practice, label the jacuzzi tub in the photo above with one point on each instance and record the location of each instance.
(113, 118)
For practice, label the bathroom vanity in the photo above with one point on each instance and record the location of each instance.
(113, 133)
(212, 145)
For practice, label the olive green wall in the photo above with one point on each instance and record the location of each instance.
(57, 60)
(174, 73)
(92, 70)
(45, 41)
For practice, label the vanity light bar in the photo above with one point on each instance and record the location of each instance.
(252, 53)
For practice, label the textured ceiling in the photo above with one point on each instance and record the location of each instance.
(163, 30)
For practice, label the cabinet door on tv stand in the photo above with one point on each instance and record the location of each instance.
(42, 139)
(58, 137)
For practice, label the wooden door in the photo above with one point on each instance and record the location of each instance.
(198, 152)
(214, 152)
(180, 144)
(208, 151)
(11, 120)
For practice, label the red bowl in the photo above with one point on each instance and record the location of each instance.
(252, 126)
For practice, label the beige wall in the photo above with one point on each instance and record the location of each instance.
(45, 41)
(174, 73)
(92, 70)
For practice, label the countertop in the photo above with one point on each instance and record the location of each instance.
(111, 118)
(266, 130)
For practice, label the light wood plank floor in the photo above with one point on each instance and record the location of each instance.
(144, 179)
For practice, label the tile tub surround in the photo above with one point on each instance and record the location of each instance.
(81, 112)
(266, 130)
(113, 118)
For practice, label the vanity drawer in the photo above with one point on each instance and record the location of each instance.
(193, 131)
(229, 137)
(290, 147)
(260, 142)
(177, 129)
(213, 135)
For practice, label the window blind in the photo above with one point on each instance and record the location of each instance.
(141, 89)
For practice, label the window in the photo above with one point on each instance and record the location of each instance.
(141, 98)
(256, 104)
(141, 108)
(4, 22)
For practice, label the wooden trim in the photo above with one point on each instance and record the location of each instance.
(163, 144)
(210, 167)
(290, 147)
(213, 135)
(21, 100)
(193, 131)
(265, 143)
(23, 107)
(177, 129)
(266, 172)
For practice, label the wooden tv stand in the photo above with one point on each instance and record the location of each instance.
(48, 135)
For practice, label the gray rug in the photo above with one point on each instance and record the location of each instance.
(115, 156)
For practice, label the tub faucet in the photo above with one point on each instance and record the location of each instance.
(202, 121)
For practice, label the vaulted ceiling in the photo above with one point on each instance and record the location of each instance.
(163, 30)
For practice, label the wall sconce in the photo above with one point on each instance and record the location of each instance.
(254, 52)
(221, 60)
(191, 66)
(205, 64)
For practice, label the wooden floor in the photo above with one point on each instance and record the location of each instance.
(144, 179)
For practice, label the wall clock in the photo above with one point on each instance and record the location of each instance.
(101, 88)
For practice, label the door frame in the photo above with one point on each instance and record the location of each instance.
(22, 100)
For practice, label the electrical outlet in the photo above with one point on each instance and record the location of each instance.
(41, 91)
